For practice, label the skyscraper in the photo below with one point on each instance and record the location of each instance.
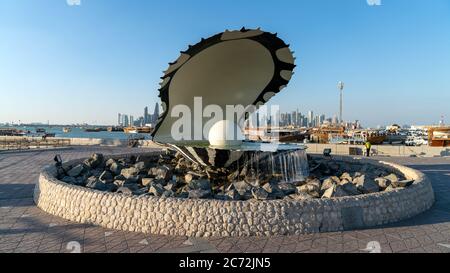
(125, 121)
(146, 115)
(119, 119)
(321, 119)
(155, 113)
(310, 118)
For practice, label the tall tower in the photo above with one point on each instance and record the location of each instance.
(341, 88)
(310, 118)
(145, 115)
(156, 113)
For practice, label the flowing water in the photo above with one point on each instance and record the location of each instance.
(255, 160)
(288, 165)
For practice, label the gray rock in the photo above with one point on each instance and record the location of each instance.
(76, 171)
(146, 181)
(286, 187)
(199, 193)
(134, 179)
(315, 183)
(119, 183)
(268, 187)
(188, 178)
(120, 177)
(390, 188)
(392, 177)
(329, 192)
(182, 195)
(125, 191)
(170, 186)
(299, 183)
(156, 189)
(402, 183)
(140, 166)
(115, 168)
(94, 161)
(350, 188)
(94, 183)
(130, 183)
(162, 182)
(162, 172)
(95, 172)
(129, 172)
(167, 194)
(253, 181)
(365, 185)
(221, 196)
(232, 194)
(109, 162)
(329, 182)
(346, 176)
(106, 177)
(201, 184)
(300, 196)
(81, 180)
(69, 179)
(259, 193)
(141, 191)
(242, 187)
(335, 191)
(382, 182)
(307, 188)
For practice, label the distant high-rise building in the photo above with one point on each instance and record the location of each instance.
(310, 118)
(145, 114)
(299, 118)
(155, 113)
(131, 120)
(335, 120)
(125, 121)
(119, 119)
(321, 119)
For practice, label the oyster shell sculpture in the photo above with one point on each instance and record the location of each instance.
(243, 67)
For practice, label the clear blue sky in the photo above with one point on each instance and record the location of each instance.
(86, 63)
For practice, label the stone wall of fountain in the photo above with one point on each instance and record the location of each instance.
(209, 217)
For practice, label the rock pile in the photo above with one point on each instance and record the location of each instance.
(171, 175)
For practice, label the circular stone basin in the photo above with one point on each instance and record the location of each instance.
(210, 217)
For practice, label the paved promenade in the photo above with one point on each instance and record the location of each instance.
(25, 228)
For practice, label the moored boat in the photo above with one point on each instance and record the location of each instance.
(137, 130)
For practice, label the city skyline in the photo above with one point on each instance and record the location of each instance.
(286, 118)
(79, 64)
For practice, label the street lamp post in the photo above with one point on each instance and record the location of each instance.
(341, 88)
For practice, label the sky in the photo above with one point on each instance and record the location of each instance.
(85, 63)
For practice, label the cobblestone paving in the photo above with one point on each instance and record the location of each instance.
(25, 228)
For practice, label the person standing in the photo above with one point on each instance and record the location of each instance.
(368, 146)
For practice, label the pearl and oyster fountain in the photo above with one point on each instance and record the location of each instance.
(217, 183)
(245, 67)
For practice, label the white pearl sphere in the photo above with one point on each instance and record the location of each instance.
(222, 134)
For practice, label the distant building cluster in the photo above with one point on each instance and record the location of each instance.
(297, 119)
(145, 120)
(307, 120)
